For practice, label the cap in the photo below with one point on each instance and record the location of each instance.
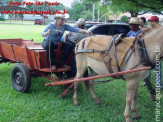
(81, 21)
(154, 18)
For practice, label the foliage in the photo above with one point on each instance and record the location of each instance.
(87, 15)
(80, 8)
(2, 18)
(46, 8)
(75, 13)
(124, 19)
(6, 2)
(135, 7)
(151, 5)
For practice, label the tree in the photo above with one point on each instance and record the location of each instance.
(87, 15)
(7, 2)
(81, 6)
(124, 19)
(135, 7)
(78, 8)
(155, 6)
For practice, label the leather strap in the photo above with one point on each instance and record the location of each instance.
(144, 58)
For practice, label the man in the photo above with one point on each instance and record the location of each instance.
(52, 36)
(154, 22)
(134, 26)
(135, 31)
(143, 23)
(74, 38)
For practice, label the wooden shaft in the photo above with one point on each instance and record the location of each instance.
(96, 77)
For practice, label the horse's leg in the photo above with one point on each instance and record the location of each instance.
(81, 68)
(133, 107)
(93, 92)
(129, 95)
(97, 67)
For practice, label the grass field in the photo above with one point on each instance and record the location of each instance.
(19, 21)
(42, 104)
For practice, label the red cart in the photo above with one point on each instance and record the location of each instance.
(30, 59)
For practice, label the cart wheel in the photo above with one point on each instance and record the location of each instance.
(21, 78)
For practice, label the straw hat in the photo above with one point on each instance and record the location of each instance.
(134, 20)
(81, 21)
(59, 16)
(62, 15)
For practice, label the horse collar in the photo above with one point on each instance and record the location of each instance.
(144, 58)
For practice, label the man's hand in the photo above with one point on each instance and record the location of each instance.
(89, 32)
(48, 32)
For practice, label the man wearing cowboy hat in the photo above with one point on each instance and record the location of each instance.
(74, 38)
(52, 35)
(134, 26)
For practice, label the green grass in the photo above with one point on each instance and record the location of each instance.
(11, 31)
(19, 21)
(43, 103)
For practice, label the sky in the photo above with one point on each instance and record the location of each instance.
(65, 2)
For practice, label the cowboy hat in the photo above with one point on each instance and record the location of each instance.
(134, 20)
(59, 16)
(81, 21)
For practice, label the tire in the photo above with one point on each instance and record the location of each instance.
(21, 78)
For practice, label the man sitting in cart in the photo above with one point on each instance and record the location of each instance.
(52, 35)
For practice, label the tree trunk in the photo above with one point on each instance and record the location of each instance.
(133, 14)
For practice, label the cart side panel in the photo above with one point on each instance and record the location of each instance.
(42, 59)
(7, 51)
(21, 54)
(34, 59)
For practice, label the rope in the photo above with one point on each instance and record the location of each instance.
(50, 58)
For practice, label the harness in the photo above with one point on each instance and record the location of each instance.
(115, 40)
(144, 58)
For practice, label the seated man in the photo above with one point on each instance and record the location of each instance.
(134, 26)
(74, 38)
(52, 36)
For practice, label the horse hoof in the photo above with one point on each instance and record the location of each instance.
(99, 103)
(153, 98)
(136, 118)
(77, 104)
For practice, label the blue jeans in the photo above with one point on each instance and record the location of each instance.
(66, 47)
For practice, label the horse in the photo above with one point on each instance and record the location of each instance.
(152, 40)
